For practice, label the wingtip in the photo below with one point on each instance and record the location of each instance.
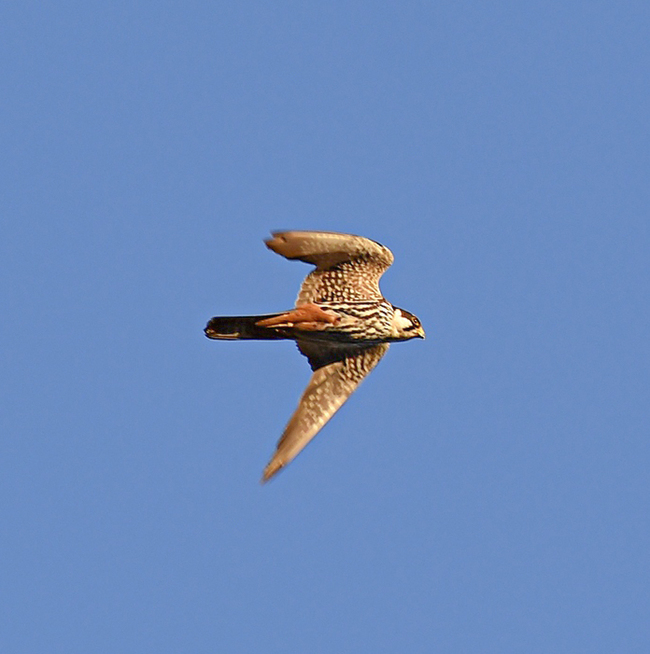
(271, 470)
(276, 242)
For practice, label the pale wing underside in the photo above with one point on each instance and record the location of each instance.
(330, 386)
(348, 267)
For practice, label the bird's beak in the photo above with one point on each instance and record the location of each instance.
(421, 333)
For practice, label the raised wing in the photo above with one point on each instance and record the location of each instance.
(348, 267)
(330, 386)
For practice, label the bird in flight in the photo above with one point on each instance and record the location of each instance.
(341, 323)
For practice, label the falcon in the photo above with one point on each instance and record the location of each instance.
(341, 322)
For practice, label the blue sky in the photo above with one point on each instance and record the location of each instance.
(485, 490)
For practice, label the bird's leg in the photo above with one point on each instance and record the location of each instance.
(309, 317)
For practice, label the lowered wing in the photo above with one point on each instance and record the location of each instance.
(328, 389)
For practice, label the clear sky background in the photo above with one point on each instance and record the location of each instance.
(486, 490)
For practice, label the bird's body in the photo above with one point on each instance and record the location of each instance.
(341, 323)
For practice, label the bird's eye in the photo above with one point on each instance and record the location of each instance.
(415, 321)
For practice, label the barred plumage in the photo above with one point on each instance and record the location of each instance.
(341, 323)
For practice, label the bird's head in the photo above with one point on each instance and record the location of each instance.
(406, 325)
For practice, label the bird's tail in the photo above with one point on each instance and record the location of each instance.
(241, 327)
